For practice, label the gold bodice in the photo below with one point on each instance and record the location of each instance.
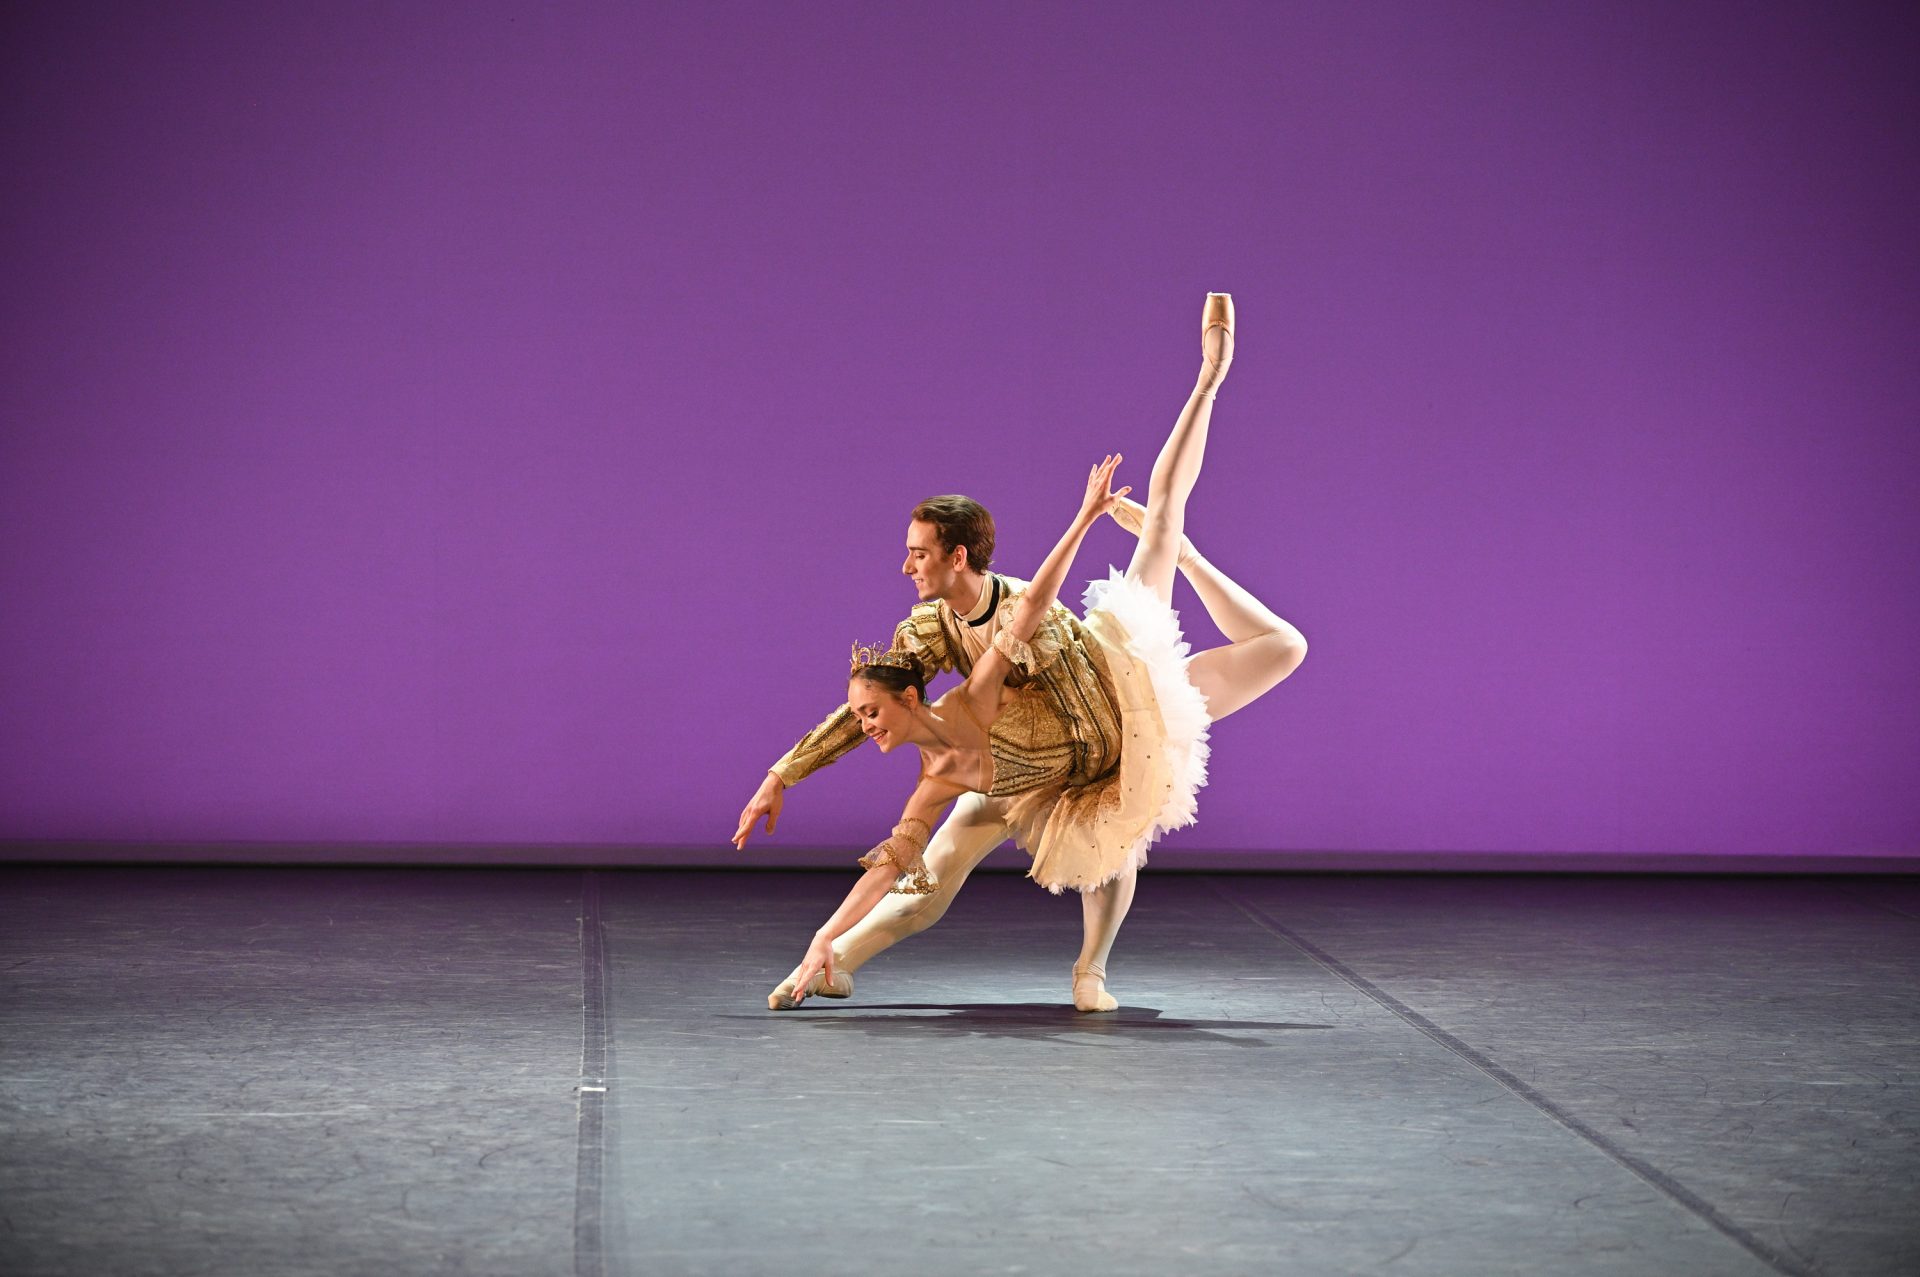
(1057, 725)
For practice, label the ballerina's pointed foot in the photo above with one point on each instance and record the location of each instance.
(1216, 341)
(1090, 989)
(782, 999)
(1132, 516)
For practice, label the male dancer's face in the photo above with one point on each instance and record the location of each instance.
(933, 570)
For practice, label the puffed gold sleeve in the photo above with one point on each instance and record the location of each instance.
(1043, 648)
(922, 634)
(905, 851)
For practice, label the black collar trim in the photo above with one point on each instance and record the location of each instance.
(992, 607)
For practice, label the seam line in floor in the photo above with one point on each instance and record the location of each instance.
(589, 1253)
(1659, 1179)
(1848, 892)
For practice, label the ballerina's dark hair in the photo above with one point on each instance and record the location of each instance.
(894, 678)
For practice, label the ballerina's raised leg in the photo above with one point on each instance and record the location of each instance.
(1262, 648)
(1154, 562)
(1177, 467)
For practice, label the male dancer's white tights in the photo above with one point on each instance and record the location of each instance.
(976, 825)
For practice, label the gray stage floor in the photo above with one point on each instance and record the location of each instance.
(230, 1070)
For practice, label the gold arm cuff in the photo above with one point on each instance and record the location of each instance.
(903, 851)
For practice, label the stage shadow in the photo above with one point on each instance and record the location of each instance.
(1030, 1020)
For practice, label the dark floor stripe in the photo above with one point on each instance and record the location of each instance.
(1864, 897)
(1651, 1174)
(589, 1254)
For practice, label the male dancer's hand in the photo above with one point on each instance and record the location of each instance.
(766, 802)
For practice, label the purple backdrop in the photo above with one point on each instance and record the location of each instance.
(492, 423)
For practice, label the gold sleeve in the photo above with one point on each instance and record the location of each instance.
(838, 733)
(1044, 648)
(905, 851)
(922, 634)
(835, 737)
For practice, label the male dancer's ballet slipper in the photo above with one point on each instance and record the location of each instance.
(1132, 516)
(1216, 353)
(782, 999)
(1090, 989)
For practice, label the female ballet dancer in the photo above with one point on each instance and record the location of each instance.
(1093, 837)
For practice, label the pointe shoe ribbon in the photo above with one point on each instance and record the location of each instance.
(1089, 989)
(782, 999)
(1216, 353)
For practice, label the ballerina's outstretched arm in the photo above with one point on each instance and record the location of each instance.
(986, 686)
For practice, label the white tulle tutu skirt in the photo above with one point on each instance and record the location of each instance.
(1085, 837)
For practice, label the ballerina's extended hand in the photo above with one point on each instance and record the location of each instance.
(819, 959)
(1099, 500)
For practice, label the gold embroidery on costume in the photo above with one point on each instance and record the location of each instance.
(905, 851)
(838, 733)
(921, 634)
(1058, 728)
(1039, 652)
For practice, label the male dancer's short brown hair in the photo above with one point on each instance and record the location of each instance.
(960, 521)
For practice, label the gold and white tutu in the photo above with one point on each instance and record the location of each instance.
(1086, 836)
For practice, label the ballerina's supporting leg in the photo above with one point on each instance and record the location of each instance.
(1101, 911)
(1263, 649)
(1177, 467)
(1154, 562)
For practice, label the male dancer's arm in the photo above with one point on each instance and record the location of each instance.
(840, 732)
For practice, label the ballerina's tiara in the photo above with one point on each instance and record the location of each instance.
(863, 656)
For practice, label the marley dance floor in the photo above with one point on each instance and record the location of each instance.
(340, 1071)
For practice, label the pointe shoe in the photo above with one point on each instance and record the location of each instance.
(1090, 989)
(1216, 352)
(1132, 516)
(782, 999)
